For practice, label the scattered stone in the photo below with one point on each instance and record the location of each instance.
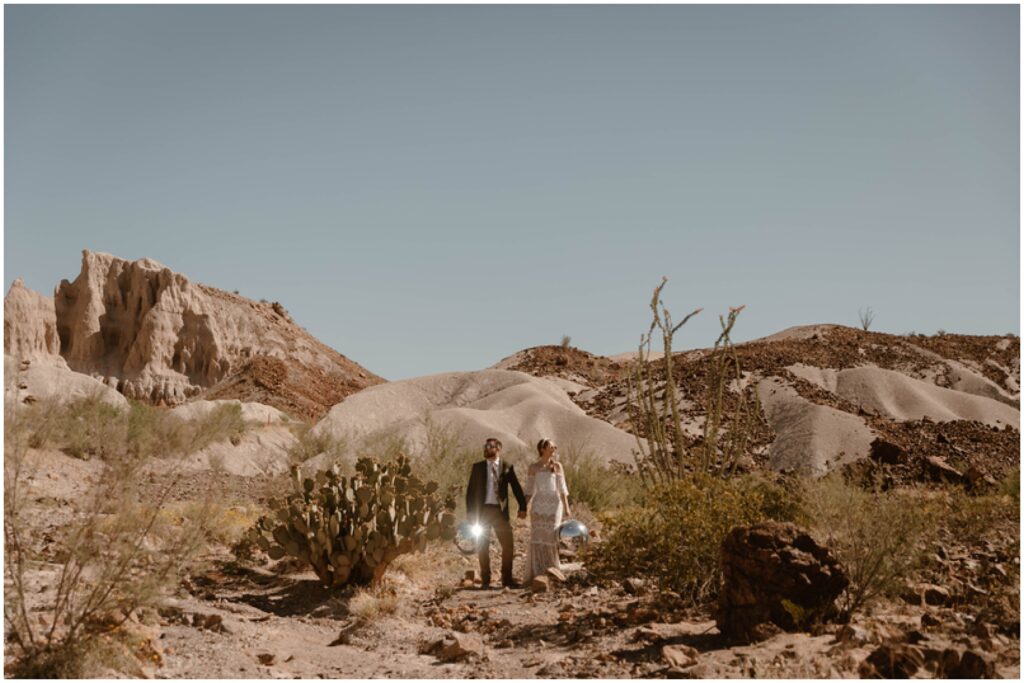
(938, 470)
(892, 660)
(936, 595)
(679, 656)
(973, 665)
(929, 619)
(266, 659)
(887, 453)
(775, 573)
(633, 586)
(470, 576)
(539, 584)
(461, 646)
(850, 634)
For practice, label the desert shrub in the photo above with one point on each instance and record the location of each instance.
(674, 535)
(224, 422)
(877, 536)
(88, 428)
(117, 555)
(309, 444)
(115, 558)
(596, 485)
(445, 457)
(1009, 485)
(350, 529)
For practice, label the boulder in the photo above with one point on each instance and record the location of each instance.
(461, 646)
(539, 584)
(775, 574)
(892, 660)
(887, 453)
(936, 595)
(938, 470)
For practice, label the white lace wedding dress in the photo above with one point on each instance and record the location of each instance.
(545, 489)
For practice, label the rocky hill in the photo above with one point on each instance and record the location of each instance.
(156, 336)
(826, 393)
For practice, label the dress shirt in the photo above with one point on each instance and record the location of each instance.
(493, 470)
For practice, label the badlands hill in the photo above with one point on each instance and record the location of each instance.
(830, 395)
(156, 336)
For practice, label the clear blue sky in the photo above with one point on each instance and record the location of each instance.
(433, 188)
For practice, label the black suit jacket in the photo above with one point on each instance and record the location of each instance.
(476, 492)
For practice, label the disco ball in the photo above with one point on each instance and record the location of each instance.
(573, 531)
(467, 536)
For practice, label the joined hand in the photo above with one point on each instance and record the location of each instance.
(522, 514)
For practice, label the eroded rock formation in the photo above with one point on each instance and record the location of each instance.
(30, 327)
(156, 336)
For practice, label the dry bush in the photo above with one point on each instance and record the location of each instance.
(596, 485)
(309, 445)
(89, 427)
(674, 536)
(118, 555)
(373, 602)
(877, 536)
(222, 524)
(447, 459)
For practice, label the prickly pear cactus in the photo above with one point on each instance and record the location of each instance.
(351, 529)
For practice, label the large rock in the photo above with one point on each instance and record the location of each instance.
(156, 336)
(775, 575)
(30, 327)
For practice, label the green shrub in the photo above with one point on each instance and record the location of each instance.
(877, 536)
(596, 485)
(674, 535)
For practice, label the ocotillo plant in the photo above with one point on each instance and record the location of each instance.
(664, 457)
(351, 529)
(720, 451)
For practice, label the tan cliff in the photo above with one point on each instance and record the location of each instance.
(157, 336)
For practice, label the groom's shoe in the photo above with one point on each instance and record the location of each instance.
(511, 583)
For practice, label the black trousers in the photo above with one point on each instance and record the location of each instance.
(491, 518)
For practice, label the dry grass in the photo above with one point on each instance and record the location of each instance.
(373, 603)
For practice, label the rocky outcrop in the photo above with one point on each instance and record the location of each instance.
(159, 337)
(774, 575)
(30, 327)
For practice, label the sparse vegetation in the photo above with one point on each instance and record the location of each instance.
(373, 602)
(674, 535)
(116, 556)
(876, 535)
(663, 457)
(866, 316)
(596, 485)
(351, 529)
(566, 341)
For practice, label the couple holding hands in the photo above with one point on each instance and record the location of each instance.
(487, 504)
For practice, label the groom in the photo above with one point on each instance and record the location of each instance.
(487, 505)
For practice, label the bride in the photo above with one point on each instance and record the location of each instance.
(549, 498)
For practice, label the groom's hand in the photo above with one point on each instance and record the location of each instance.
(522, 514)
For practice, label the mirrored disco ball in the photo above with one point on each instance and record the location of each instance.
(466, 537)
(574, 531)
